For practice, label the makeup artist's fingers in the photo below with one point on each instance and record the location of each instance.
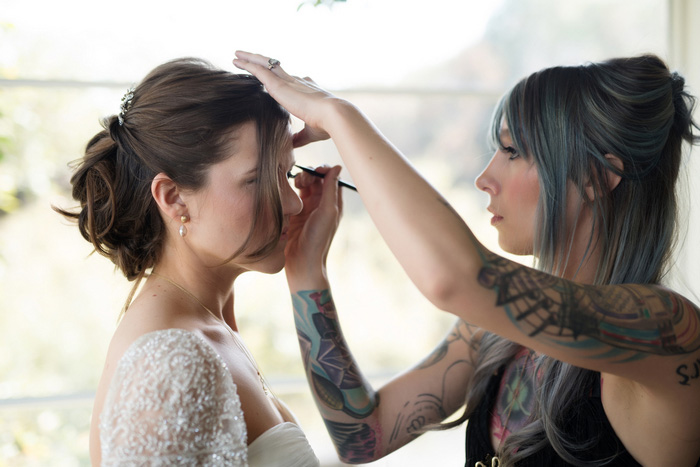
(300, 96)
(332, 196)
(305, 180)
(257, 64)
(339, 195)
(308, 135)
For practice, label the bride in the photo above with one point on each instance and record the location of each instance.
(184, 190)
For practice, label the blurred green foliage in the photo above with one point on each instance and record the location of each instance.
(328, 3)
(9, 196)
(9, 200)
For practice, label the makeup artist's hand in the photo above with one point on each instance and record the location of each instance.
(300, 96)
(312, 230)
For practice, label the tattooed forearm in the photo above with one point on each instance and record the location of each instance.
(356, 442)
(416, 415)
(620, 316)
(333, 374)
(428, 408)
(335, 379)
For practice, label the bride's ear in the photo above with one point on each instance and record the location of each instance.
(167, 195)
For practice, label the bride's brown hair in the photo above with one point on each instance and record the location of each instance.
(178, 121)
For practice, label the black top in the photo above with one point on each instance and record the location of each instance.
(587, 421)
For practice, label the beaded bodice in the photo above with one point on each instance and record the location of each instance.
(172, 401)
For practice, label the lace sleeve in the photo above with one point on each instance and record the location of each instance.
(172, 401)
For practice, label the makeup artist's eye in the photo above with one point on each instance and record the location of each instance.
(513, 153)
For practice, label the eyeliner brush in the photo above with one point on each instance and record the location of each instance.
(320, 175)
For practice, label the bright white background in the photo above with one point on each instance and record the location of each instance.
(347, 44)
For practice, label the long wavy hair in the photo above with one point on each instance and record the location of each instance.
(179, 122)
(567, 119)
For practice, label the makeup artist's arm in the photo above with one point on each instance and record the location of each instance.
(406, 209)
(365, 424)
(566, 320)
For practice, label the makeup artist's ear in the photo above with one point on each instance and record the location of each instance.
(612, 176)
(168, 197)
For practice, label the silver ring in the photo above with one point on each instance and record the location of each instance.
(271, 63)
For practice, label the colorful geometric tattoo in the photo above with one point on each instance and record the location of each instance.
(356, 442)
(333, 374)
(635, 320)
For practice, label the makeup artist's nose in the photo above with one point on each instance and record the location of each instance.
(486, 181)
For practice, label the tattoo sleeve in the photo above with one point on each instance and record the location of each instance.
(462, 331)
(633, 320)
(335, 380)
(432, 407)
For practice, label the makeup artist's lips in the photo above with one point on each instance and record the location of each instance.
(496, 218)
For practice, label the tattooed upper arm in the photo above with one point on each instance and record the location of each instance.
(618, 323)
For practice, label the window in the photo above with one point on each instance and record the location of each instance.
(427, 73)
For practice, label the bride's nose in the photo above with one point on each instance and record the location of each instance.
(291, 202)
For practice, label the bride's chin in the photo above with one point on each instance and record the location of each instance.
(271, 264)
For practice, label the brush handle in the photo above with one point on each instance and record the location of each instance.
(320, 175)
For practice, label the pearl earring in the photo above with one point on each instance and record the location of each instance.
(184, 219)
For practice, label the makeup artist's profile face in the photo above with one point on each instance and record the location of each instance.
(513, 186)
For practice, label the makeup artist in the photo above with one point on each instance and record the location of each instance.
(585, 359)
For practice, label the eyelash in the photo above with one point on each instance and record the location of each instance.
(510, 150)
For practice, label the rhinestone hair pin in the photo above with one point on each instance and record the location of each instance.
(125, 105)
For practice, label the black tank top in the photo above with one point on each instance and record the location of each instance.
(586, 422)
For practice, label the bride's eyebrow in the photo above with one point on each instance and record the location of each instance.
(252, 171)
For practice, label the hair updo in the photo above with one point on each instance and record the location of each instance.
(177, 122)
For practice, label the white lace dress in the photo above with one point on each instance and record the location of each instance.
(172, 401)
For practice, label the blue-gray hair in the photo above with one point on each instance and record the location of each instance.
(567, 119)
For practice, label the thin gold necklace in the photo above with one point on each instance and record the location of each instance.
(228, 328)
